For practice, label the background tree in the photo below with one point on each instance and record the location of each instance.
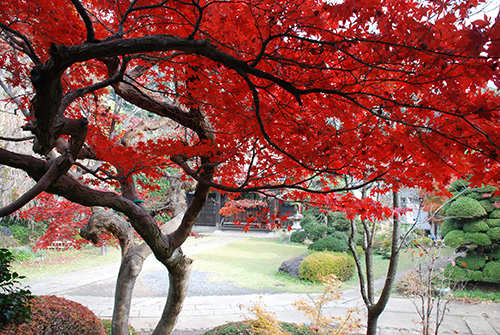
(311, 96)
(473, 225)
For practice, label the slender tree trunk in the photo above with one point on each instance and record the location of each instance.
(130, 268)
(179, 269)
(367, 288)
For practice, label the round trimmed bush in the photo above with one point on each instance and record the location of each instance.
(337, 242)
(471, 262)
(449, 225)
(322, 264)
(466, 207)
(459, 274)
(454, 238)
(298, 236)
(474, 195)
(492, 223)
(476, 226)
(315, 231)
(494, 233)
(491, 271)
(487, 205)
(495, 214)
(55, 315)
(478, 238)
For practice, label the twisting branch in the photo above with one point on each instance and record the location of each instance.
(86, 19)
(57, 168)
(73, 95)
(17, 139)
(24, 44)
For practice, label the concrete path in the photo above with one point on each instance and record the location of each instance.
(205, 312)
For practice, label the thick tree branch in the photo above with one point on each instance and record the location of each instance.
(86, 19)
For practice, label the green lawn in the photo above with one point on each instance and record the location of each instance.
(253, 263)
(52, 262)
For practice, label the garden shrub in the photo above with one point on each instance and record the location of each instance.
(478, 238)
(337, 241)
(471, 262)
(14, 301)
(315, 231)
(495, 214)
(487, 205)
(298, 236)
(449, 225)
(466, 207)
(494, 233)
(454, 238)
(245, 328)
(492, 223)
(459, 274)
(322, 264)
(476, 226)
(54, 316)
(491, 271)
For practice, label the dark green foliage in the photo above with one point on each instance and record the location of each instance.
(322, 264)
(315, 231)
(494, 233)
(298, 236)
(454, 238)
(55, 315)
(23, 230)
(495, 214)
(318, 224)
(474, 195)
(245, 328)
(487, 205)
(471, 262)
(476, 226)
(465, 207)
(449, 225)
(336, 241)
(458, 186)
(492, 223)
(460, 274)
(478, 238)
(14, 301)
(491, 272)
(339, 222)
(495, 254)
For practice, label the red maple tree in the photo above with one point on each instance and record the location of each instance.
(315, 97)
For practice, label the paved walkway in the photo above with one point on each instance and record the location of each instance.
(205, 312)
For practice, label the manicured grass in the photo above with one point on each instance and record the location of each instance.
(55, 262)
(50, 263)
(253, 263)
(478, 292)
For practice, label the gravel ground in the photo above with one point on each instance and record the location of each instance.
(156, 283)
